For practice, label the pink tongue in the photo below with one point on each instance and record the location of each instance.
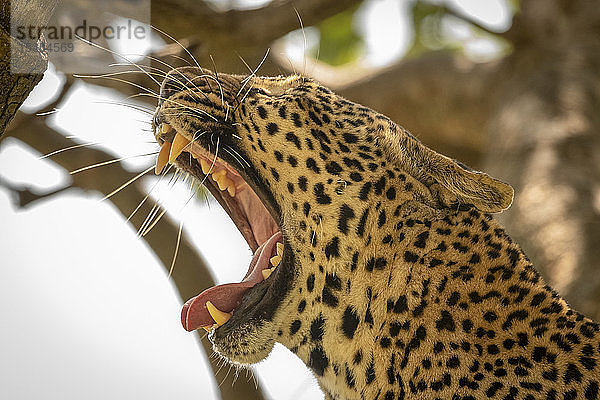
(227, 297)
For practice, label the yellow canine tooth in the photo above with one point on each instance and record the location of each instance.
(275, 260)
(205, 165)
(219, 316)
(231, 189)
(279, 249)
(179, 143)
(164, 127)
(267, 272)
(163, 157)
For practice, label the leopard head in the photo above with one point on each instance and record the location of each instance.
(311, 180)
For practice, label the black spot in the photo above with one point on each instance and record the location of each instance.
(379, 185)
(318, 361)
(306, 208)
(381, 219)
(293, 161)
(453, 362)
(275, 174)
(401, 305)
(375, 263)
(411, 257)
(297, 120)
(354, 261)
(329, 298)
(490, 316)
(312, 164)
(350, 381)
(317, 329)
(272, 128)
(360, 228)
(357, 357)
(301, 306)
(588, 362)
(591, 392)
(572, 374)
(356, 177)
(332, 248)
(302, 183)
(310, 282)
(537, 299)
(333, 168)
(283, 112)
(349, 322)
(453, 299)
(290, 187)
(364, 191)
(346, 213)
(320, 195)
(262, 112)
(391, 193)
(350, 137)
(422, 240)
(295, 326)
(291, 137)
(370, 373)
(445, 322)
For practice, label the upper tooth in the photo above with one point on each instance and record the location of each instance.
(163, 157)
(231, 190)
(279, 249)
(219, 316)
(224, 183)
(205, 165)
(179, 143)
(275, 260)
(164, 128)
(217, 175)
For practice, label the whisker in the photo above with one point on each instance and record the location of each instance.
(118, 55)
(132, 106)
(43, 114)
(100, 164)
(127, 183)
(305, 41)
(179, 43)
(77, 146)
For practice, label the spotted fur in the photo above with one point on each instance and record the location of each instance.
(399, 284)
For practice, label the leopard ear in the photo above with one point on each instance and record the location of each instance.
(453, 182)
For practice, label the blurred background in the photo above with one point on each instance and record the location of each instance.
(88, 307)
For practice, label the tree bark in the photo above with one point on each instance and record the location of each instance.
(21, 65)
(544, 133)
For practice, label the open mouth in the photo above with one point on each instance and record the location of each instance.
(251, 209)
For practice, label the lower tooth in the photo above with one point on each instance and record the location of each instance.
(231, 190)
(267, 272)
(220, 317)
(275, 260)
(205, 165)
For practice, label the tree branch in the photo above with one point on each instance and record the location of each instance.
(190, 276)
(441, 97)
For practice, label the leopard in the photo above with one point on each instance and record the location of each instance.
(376, 260)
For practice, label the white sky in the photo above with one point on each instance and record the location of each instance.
(87, 311)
